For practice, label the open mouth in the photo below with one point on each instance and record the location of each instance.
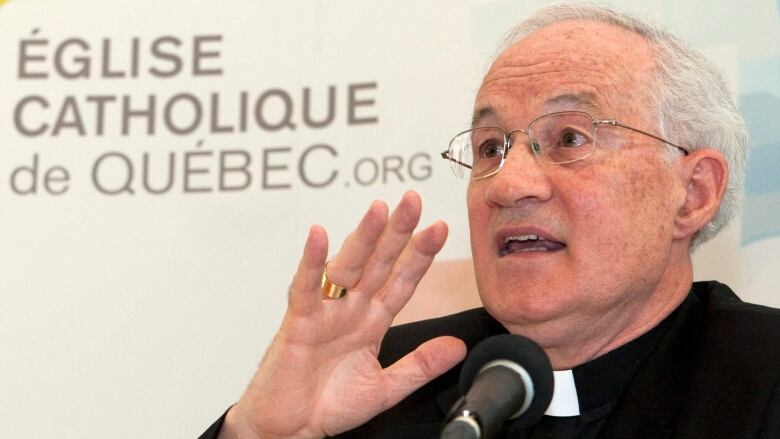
(528, 243)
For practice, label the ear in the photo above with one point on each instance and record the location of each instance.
(705, 174)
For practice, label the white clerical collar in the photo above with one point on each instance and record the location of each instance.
(564, 401)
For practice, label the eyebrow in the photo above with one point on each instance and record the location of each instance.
(563, 102)
(481, 114)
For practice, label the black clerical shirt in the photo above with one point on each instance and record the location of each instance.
(710, 369)
(599, 383)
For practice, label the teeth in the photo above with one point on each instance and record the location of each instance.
(523, 238)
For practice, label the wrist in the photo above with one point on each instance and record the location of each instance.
(235, 426)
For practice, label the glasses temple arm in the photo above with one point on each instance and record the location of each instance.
(636, 130)
(446, 156)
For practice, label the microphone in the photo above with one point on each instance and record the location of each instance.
(504, 377)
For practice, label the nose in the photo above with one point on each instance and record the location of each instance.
(523, 178)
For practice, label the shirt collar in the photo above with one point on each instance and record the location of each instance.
(594, 387)
(564, 401)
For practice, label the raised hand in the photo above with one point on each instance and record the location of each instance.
(320, 376)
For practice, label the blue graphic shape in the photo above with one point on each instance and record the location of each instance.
(761, 215)
(762, 115)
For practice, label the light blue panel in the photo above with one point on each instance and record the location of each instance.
(760, 103)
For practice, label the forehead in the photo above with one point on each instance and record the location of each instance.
(574, 65)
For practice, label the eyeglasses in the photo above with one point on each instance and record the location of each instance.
(558, 138)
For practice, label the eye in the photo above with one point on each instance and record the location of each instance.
(570, 138)
(491, 149)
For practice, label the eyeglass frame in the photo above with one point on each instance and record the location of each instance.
(508, 140)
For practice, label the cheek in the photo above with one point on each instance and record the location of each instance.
(648, 197)
(478, 217)
(627, 215)
(481, 245)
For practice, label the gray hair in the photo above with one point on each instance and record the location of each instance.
(694, 105)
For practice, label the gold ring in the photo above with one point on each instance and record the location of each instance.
(329, 289)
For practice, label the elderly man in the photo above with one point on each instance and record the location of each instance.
(602, 152)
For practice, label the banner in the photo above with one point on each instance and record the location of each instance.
(161, 163)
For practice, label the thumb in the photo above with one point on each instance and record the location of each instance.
(419, 367)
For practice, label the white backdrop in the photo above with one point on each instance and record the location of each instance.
(161, 162)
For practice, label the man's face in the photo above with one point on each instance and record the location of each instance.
(608, 219)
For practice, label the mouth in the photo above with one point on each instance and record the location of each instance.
(527, 243)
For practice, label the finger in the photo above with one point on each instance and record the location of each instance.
(346, 267)
(412, 266)
(394, 238)
(428, 361)
(305, 295)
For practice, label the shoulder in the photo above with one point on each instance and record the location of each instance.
(733, 320)
(471, 326)
(740, 337)
(736, 378)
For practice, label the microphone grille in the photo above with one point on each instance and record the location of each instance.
(522, 351)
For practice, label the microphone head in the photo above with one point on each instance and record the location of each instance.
(521, 351)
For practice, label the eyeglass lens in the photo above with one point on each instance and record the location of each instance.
(554, 138)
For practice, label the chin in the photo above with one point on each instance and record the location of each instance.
(519, 307)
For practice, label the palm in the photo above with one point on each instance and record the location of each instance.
(321, 375)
